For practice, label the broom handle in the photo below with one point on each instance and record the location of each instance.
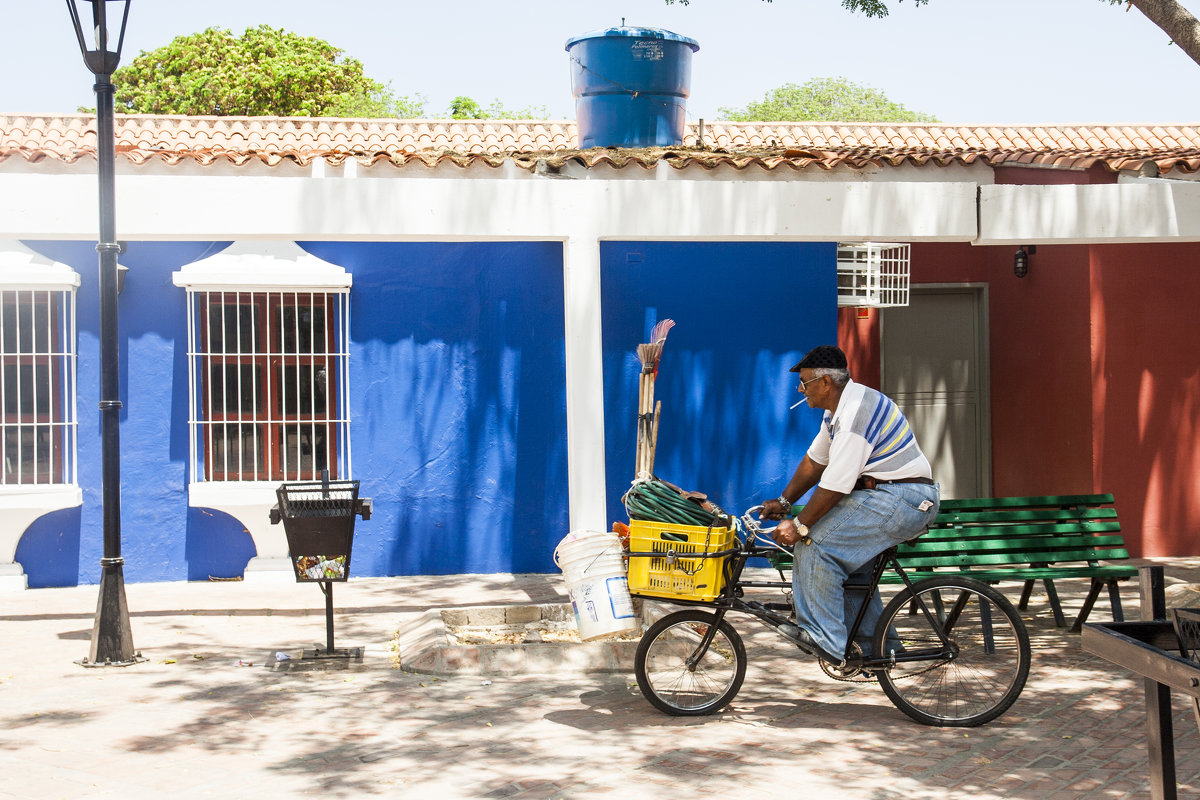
(654, 436)
(642, 428)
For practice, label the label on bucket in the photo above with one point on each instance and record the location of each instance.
(619, 599)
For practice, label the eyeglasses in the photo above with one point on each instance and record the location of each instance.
(803, 388)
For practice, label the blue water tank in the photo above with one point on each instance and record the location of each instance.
(631, 86)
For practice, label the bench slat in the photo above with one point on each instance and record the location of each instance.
(1029, 544)
(951, 519)
(1029, 573)
(1029, 557)
(1022, 502)
(1018, 531)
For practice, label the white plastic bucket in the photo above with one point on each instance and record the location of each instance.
(594, 568)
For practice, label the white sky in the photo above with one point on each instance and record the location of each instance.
(964, 61)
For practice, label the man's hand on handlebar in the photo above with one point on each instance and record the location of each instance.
(787, 533)
(773, 509)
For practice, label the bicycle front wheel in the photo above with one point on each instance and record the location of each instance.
(681, 677)
(968, 680)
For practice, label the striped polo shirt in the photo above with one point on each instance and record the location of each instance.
(866, 435)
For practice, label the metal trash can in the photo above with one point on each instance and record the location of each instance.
(318, 520)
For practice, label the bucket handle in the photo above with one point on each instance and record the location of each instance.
(603, 552)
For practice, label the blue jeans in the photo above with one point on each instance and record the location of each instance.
(845, 542)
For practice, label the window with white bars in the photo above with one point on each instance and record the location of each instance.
(37, 386)
(269, 381)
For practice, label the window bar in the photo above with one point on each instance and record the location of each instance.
(251, 325)
(224, 388)
(57, 444)
(194, 426)
(324, 351)
(239, 393)
(247, 326)
(5, 389)
(312, 378)
(58, 416)
(39, 355)
(343, 345)
(332, 400)
(298, 416)
(277, 410)
(20, 405)
(69, 347)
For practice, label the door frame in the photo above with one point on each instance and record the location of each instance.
(979, 290)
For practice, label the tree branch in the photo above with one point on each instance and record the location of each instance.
(1176, 21)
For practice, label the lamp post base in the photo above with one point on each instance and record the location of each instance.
(112, 637)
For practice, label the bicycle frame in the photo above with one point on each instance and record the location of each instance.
(731, 598)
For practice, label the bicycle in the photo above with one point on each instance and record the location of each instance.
(948, 650)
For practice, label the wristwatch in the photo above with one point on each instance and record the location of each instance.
(802, 533)
(787, 504)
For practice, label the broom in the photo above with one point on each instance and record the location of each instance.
(649, 354)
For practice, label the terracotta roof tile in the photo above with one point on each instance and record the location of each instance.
(824, 145)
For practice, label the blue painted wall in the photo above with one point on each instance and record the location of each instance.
(744, 314)
(458, 416)
(162, 539)
(458, 405)
(458, 398)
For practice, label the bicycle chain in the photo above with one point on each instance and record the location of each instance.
(841, 674)
(859, 676)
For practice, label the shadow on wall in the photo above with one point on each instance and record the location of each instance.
(1146, 389)
(49, 551)
(159, 534)
(458, 404)
(218, 546)
(744, 314)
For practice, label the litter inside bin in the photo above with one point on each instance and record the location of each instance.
(319, 568)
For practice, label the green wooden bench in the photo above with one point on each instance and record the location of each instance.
(1026, 539)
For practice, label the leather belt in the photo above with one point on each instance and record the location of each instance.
(869, 482)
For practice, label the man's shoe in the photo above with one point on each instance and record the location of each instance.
(805, 642)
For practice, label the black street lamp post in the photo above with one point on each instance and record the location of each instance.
(112, 639)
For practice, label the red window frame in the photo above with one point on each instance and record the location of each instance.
(265, 390)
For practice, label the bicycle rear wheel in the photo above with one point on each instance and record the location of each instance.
(678, 680)
(973, 680)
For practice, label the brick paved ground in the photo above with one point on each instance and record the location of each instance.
(189, 720)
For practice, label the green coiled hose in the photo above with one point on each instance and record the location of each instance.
(658, 501)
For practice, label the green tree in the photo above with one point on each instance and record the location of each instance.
(377, 104)
(463, 107)
(1171, 17)
(831, 99)
(264, 72)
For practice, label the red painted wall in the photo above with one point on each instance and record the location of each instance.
(1145, 326)
(859, 338)
(1037, 176)
(1095, 375)
(1038, 350)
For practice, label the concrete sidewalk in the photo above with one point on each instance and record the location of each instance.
(189, 720)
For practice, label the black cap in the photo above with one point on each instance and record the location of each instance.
(825, 356)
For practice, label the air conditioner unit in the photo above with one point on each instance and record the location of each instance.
(872, 274)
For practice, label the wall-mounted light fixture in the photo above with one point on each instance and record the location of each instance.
(1021, 260)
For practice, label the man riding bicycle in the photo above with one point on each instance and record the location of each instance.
(874, 489)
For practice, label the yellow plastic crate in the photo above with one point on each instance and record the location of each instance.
(689, 576)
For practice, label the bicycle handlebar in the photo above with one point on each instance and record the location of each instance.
(751, 521)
